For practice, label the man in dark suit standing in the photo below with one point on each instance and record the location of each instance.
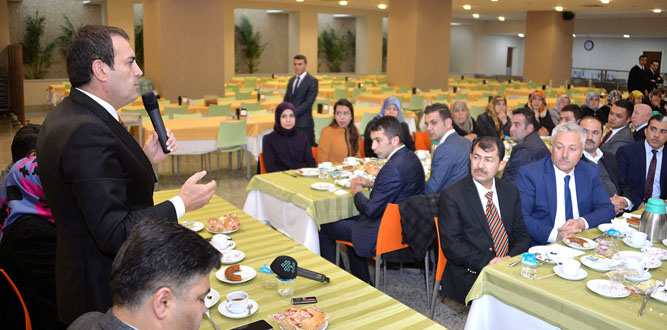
(401, 177)
(529, 147)
(638, 78)
(301, 90)
(480, 219)
(620, 133)
(643, 164)
(97, 179)
(640, 116)
(612, 181)
(561, 196)
(654, 75)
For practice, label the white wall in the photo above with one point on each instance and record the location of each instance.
(491, 54)
(462, 49)
(615, 53)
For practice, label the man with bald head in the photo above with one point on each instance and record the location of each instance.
(640, 116)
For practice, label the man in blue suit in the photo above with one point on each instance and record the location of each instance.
(636, 160)
(561, 196)
(529, 147)
(401, 177)
(301, 90)
(450, 159)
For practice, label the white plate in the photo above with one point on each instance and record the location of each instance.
(595, 263)
(230, 246)
(308, 171)
(323, 186)
(628, 242)
(591, 244)
(554, 252)
(323, 327)
(603, 288)
(231, 256)
(664, 242)
(646, 260)
(214, 297)
(630, 215)
(222, 308)
(193, 225)
(644, 277)
(657, 252)
(606, 226)
(247, 274)
(343, 183)
(223, 232)
(660, 295)
(580, 276)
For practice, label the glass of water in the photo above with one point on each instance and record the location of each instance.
(324, 173)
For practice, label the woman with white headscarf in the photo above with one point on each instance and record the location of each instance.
(554, 111)
(391, 107)
(593, 108)
(463, 123)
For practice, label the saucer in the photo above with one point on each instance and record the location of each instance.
(231, 256)
(664, 242)
(211, 298)
(595, 263)
(628, 242)
(604, 288)
(229, 246)
(657, 252)
(580, 276)
(660, 295)
(247, 273)
(222, 308)
(193, 225)
(644, 277)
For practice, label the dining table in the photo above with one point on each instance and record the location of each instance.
(348, 302)
(502, 298)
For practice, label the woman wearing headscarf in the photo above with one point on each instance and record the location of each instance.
(636, 97)
(341, 138)
(593, 108)
(463, 123)
(538, 103)
(495, 121)
(614, 96)
(390, 107)
(554, 111)
(286, 148)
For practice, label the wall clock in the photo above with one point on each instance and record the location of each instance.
(588, 45)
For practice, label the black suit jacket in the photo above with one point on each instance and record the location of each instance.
(632, 165)
(655, 78)
(465, 235)
(640, 134)
(303, 99)
(638, 79)
(99, 184)
(610, 164)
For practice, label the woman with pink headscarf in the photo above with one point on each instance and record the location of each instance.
(538, 103)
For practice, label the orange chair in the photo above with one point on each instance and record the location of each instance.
(262, 169)
(28, 325)
(314, 149)
(439, 269)
(422, 141)
(362, 151)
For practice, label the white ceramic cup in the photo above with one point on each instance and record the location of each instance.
(635, 264)
(327, 165)
(350, 161)
(237, 302)
(638, 238)
(570, 267)
(220, 242)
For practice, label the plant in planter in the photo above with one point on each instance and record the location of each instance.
(67, 31)
(333, 48)
(139, 44)
(250, 42)
(38, 59)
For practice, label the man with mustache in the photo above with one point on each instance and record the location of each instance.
(480, 219)
(561, 196)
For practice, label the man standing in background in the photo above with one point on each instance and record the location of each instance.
(301, 90)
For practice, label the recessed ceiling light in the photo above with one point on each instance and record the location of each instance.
(521, 35)
(85, 2)
(559, 8)
(299, 0)
(574, 35)
(475, 15)
(382, 6)
(501, 18)
(604, 1)
(342, 3)
(626, 36)
(657, 10)
(467, 7)
(494, 0)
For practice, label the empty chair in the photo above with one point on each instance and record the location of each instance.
(243, 95)
(232, 137)
(404, 90)
(365, 119)
(319, 124)
(225, 99)
(251, 106)
(164, 102)
(186, 116)
(422, 141)
(386, 90)
(250, 82)
(169, 111)
(340, 93)
(442, 98)
(416, 103)
(215, 110)
(476, 110)
(195, 101)
(233, 88)
(320, 101)
(461, 96)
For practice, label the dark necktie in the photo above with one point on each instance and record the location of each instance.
(648, 186)
(296, 84)
(568, 199)
(606, 137)
(498, 233)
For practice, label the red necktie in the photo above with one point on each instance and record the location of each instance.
(498, 233)
(120, 120)
(606, 137)
(648, 186)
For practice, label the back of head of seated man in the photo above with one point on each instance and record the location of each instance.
(159, 280)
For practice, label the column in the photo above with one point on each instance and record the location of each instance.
(120, 13)
(302, 39)
(418, 43)
(368, 57)
(548, 47)
(4, 34)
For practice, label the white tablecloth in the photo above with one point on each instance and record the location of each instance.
(489, 313)
(285, 217)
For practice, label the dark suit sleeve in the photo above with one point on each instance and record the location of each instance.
(519, 156)
(519, 237)
(368, 142)
(624, 166)
(95, 173)
(268, 154)
(308, 158)
(441, 168)
(539, 226)
(485, 126)
(407, 137)
(603, 209)
(307, 104)
(385, 189)
(288, 91)
(451, 223)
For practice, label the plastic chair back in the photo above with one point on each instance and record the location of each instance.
(26, 315)
(365, 118)
(164, 102)
(340, 93)
(186, 116)
(320, 123)
(386, 90)
(224, 99)
(422, 141)
(251, 106)
(314, 151)
(194, 101)
(242, 95)
(231, 135)
(233, 88)
(169, 111)
(476, 110)
(416, 103)
(262, 168)
(390, 234)
(403, 90)
(435, 90)
(442, 261)
(215, 110)
(250, 82)
(320, 101)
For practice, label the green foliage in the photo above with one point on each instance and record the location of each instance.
(335, 48)
(251, 43)
(38, 58)
(139, 44)
(67, 31)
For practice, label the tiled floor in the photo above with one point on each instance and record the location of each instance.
(408, 288)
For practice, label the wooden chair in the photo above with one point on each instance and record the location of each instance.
(439, 269)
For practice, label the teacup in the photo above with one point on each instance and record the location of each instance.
(327, 165)
(220, 242)
(570, 267)
(638, 238)
(237, 302)
(636, 265)
(350, 161)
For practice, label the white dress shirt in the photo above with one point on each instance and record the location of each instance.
(296, 84)
(177, 201)
(482, 191)
(658, 167)
(560, 220)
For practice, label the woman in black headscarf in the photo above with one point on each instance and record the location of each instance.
(286, 148)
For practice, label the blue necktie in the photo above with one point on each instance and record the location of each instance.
(568, 199)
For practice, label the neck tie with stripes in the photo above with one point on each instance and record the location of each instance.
(500, 241)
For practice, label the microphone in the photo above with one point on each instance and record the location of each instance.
(286, 267)
(153, 109)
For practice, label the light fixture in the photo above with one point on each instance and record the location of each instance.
(494, 0)
(604, 1)
(657, 10)
(501, 18)
(342, 3)
(475, 15)
(299, 0)
(574, 35)
(521, 35)
(382, 6)
(559, 8)
(626, 36)
(85, 2)
(467, 7)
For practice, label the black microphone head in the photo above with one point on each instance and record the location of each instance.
(150, 101)
(284, 267)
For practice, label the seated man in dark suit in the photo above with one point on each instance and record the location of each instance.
(480, 219)
(642, 163)
(450, 159)
(560, 195)
(529, 147)
(401, 177)
(640, 116)
(612, 181)
(620, 133)
(159, 280)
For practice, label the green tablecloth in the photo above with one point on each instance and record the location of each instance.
(570, 304)
(351, 303)
(322, 206)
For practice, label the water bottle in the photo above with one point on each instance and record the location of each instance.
(528, 265)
